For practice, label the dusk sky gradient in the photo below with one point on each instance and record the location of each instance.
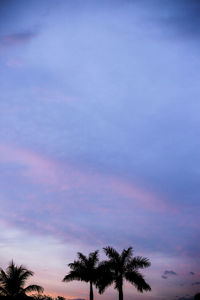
(100, 138)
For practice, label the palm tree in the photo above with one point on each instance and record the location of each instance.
(122, 266)
(12, 281)
(85, 269)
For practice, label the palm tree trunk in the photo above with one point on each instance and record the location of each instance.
(91, 291)
(121, 293)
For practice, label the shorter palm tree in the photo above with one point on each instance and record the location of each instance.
(122, 266)
(85, 269)
(12, 281)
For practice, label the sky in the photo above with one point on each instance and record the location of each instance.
(99, 139)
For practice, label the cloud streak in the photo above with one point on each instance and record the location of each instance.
(196, 283)
(16, 39)
(12, 40)
(52, 174)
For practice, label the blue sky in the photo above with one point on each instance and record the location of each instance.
(99, 132)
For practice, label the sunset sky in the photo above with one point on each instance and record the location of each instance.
(100, 139)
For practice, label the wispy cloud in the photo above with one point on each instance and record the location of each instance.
(61, 177)
(32, 165)
(17, 39)
(168, 273)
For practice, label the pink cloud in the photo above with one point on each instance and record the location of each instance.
(64, 177)
(33, 165)
(148, 200)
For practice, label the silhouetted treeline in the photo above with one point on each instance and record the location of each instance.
(17, 298)
(39, 297)
(99, 274)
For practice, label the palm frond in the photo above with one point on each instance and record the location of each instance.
(76, 265)
(3, 276)
(75, 275)
(137, 280)
(94, 257)
(139, 262)
(82, 257)
(23, 275)
(11, 269)
(33, 288)
(111, 253)
(3, 291)
(126, 254)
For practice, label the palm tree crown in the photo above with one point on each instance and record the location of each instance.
(12, 281)
(84, 269)
(123, 266)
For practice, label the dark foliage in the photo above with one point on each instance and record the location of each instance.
(122, 267)
(85, 269)
(12, 282)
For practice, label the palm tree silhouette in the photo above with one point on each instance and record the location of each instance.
(85, 269)
(122, 266)
(12, 281)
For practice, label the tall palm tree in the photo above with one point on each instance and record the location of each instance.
(85, 269)
(12, 281)
(122, 266)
